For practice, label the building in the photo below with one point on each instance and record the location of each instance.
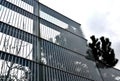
(40, 44)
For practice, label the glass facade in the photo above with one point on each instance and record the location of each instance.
(40, 44)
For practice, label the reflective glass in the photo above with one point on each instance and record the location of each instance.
(15, 46)
(15, 19)
(22, 4)
(110, 74)
(64, 59)
(63, 38)
(13, 68)
(53, 19)
(75, 30)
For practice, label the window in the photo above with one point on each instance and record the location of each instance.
(22, 4)
(15, 46)
(48, 33)
(53, 20)
(15, 19)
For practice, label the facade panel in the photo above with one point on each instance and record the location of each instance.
(40, 44)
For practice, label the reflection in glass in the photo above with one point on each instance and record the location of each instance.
(22, 4)
(53, 20)
(75, 30)
(48, 33)
(15, 46)
(15, 19)
(110, 74)
(14, 72)
(66, 60)
(63, 38)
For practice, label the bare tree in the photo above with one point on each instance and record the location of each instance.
(11, 66)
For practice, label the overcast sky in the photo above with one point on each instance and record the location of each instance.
(97, 17)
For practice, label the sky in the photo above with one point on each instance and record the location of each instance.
(97, 17)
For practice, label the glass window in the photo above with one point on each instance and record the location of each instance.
(15, 19)
(12, 71)
(110, 74)
(48, 33)
(22, 4)
(66, 60)
(75, 30)
(15, 46)
(63, 38)
(53, 20)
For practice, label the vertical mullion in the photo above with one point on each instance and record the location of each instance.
(46, 74)
(22, 63)
(28, 25)
(65, 58)
(3, 13)
(56, 61)
(30, 46)
(60, 77)
(31, 2)
(49, 56)
(6, 15)
(57, 73)
(32, 71)
(57, 56)
(43, 49)
(27, 6)
(32, 40)
(3, 64)
(63, 77)
(45, 54)
(6, 31)
(35, 72)
(19, 20)
(21, 3)
(16, 20)
(1, 29)
(54, 74)
(18, 64)
(9, 16)
(52, 52)
(66, 76)
(53, 60)
(15, 63)
(51, 74)
(15, 39)
(3, 41)
(38, 72)
(24, 43)
(72, 61)
(26, 47)
(73, 65)
(13, 19)
(29, 70)
(31, 65)
(1, 55)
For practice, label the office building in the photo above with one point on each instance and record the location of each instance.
(40, 44)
